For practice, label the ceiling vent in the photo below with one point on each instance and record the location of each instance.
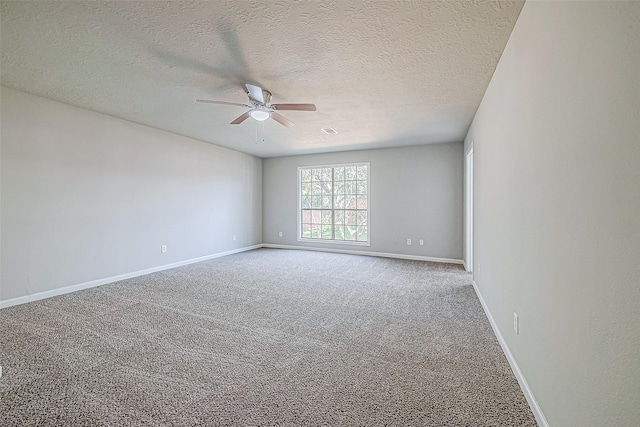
(329, 131)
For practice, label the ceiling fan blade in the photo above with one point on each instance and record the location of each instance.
(281, 119)
(295, 107)
(208, 101)
(255, 92)
(241, 119)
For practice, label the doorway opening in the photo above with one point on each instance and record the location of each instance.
(468, 208)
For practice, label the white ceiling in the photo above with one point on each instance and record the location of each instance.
(383, 73)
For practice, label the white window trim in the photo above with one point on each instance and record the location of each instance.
(327, 241)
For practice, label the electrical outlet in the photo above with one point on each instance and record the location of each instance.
(516, 323)
(421, 242)
(163, 248)
(409, 242)
(234, 237)
(280, 234)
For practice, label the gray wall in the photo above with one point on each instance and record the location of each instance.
(86, 196)
(557, 207)
(416, 192)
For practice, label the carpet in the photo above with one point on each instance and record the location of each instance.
(265, 337)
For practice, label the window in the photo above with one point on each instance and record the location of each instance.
(333, 203)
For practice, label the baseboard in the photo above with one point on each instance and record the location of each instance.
(352, 252)
(99, 282)
(528, 394)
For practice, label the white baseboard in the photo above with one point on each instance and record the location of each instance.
(528, 394)
(94, 283)
(352, 252)
(99, 282)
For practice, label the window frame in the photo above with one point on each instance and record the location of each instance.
(368, 210)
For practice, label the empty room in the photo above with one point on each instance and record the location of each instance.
(320, 213)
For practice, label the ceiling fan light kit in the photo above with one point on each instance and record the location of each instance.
(261, 109)
(260, 115)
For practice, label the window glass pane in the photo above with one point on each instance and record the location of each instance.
(315, 231)
(305, 202)
(306, 231)
(362, 217)
(327, 232)
(350, 172)
(326, 217)
(316, 189)
(350, 217)
(338, 216)
(350, 187)
(362, 233)
(338, 174)
(362, 187)
(306, 217)
(350, 202)
(316, 217)
(316, 202)
(327, 202)
(362, 173)
(339, 232)
(327, 189)
(305, 188)
(338, 202)
(350, 232)
(305, 175)
(326, 174)
(361, 202)
(316, 174)
(338, 188)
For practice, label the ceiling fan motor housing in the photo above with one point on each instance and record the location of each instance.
(267, 96)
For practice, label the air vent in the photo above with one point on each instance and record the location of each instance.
(329, 131)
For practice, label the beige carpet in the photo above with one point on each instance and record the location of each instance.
(267, 337)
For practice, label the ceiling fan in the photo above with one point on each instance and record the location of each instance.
(260, 107)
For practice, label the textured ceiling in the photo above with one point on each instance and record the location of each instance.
(387, 73)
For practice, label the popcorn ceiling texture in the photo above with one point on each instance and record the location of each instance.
(381, 73)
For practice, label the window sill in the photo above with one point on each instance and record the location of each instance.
(334, 242)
